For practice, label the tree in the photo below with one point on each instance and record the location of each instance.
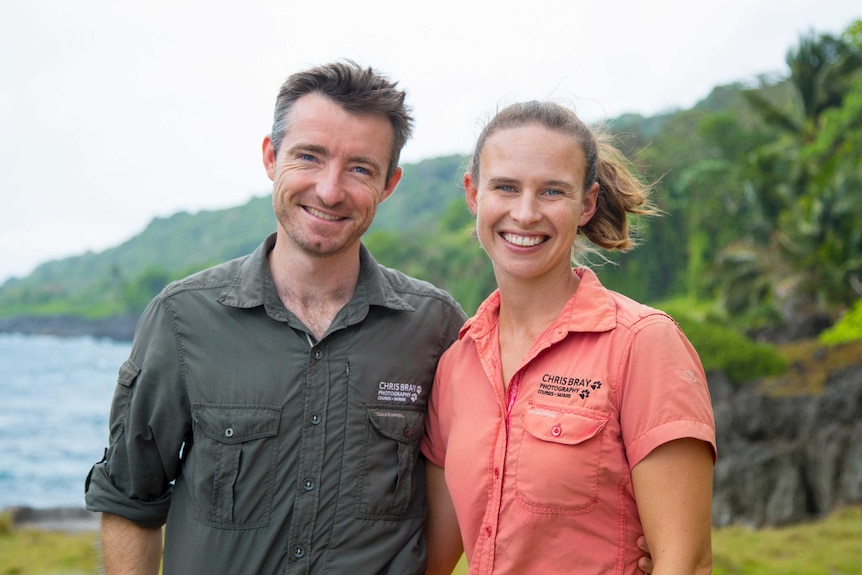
(804, 186)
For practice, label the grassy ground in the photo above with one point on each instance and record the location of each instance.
(27, 552)
(828, 547)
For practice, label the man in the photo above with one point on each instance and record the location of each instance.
(270, 412)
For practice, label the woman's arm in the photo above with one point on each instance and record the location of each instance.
(673, 490)
(442, 536)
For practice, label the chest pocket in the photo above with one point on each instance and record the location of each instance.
(232, 464)
(559, 459)
(387, 474)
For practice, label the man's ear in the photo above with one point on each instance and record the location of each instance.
(269, 157)
(471, 192)
(391, 184)
(591, 198)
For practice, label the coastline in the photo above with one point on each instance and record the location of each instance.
(64, 519)
(118, 328)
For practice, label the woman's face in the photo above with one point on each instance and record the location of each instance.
(530, 200)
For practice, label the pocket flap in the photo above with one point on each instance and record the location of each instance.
(404, 425)
(236, 423)
(569, 427)
(128, 372)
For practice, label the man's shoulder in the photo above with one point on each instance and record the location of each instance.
(406, 286)
(216, 277)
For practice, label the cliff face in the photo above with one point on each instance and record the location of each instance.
(787, 459)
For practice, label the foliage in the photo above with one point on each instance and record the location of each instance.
(805, 185)
(446, 254)
(848, 328)
(759, 182)
(722, 348)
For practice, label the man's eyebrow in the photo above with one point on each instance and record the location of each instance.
(500, 181)
(313, 148)
(319, 150)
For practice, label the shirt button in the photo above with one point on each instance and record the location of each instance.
(299, 551)
(488, 531)
(228, 432)
(496, 472)
(308, 484)
(317, 354)
(556, 431)
(315, 419)
(408, 432)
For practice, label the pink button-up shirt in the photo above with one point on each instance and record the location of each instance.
(540, 474)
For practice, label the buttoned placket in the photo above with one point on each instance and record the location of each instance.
(486, 547)
(311, 449)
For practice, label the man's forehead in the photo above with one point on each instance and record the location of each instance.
(318, 121)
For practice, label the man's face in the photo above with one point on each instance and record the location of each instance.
(329, 175)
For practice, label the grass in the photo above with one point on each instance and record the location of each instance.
(830, 546)
(810, 363)
(29, 552)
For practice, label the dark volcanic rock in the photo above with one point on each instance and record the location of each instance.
(787, 459)
(120, 328)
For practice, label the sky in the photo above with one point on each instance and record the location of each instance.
(113, 113)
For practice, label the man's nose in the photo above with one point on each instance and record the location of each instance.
(330, 186)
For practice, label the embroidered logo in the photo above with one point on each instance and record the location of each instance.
(561, 386)
(398, 392)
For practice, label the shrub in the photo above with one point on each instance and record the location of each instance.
(848, 328)
(722, 348)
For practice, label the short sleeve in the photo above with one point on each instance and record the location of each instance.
(663, 389)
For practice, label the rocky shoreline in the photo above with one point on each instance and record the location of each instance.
(119, 328)
(66, 519)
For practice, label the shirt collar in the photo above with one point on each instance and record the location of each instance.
(590, 309)
(253, 286)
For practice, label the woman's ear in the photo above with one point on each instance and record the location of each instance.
(588, 209)
(471, 191)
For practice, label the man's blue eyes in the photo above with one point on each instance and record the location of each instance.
(310, 158)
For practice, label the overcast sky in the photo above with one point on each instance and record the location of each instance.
(115, 112)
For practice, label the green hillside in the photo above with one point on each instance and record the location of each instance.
(761, 185)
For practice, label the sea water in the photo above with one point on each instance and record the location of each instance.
(55, 395)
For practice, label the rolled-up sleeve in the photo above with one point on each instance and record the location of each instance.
(149, 422)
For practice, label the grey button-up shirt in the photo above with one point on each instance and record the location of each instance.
(267, 452)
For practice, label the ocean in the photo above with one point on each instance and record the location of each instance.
(55, 395)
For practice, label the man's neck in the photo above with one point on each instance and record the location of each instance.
(314, 288)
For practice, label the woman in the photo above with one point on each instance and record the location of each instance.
(567, 420)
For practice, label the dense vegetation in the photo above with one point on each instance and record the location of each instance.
(760, 183)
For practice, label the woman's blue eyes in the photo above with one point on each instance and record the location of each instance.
(548, 192)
